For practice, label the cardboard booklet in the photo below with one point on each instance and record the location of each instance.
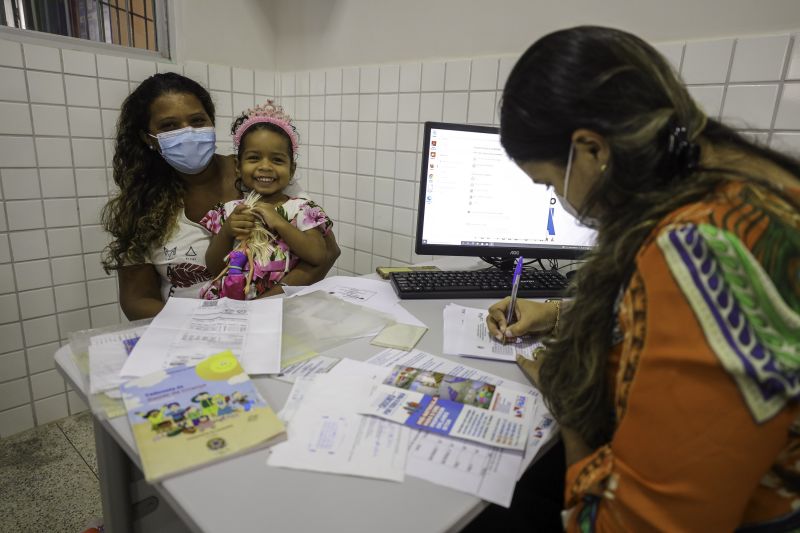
(189, 416)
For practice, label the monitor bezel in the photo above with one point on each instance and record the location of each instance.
(541, 252)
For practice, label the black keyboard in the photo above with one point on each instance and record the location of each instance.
(476, 284)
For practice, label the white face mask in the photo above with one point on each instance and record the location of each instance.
(568, 207)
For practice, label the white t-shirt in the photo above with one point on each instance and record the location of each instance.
(181, 262)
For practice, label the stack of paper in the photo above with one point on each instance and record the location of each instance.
(466, 333)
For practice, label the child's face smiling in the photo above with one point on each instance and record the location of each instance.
(265, 165)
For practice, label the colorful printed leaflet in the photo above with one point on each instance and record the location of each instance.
(188, 416)
(446, 417)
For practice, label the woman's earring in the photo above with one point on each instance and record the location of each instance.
(603, 168)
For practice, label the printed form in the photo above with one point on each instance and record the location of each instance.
(465, 333)
(187, 331)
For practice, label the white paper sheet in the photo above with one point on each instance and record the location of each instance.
(327, 435)
(372, 293)
(319, 364)
(465, 333)
(107, 355)
(187, 331)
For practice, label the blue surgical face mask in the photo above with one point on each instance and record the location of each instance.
(188, 150)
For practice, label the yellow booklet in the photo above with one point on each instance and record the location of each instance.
(185, 417)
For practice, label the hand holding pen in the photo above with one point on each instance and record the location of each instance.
(510, 318)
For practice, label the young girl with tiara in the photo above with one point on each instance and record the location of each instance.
(264, 235)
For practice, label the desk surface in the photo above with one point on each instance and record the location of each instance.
(244, 494)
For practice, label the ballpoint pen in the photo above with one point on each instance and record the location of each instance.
(514, 288)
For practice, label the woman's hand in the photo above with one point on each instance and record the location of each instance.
(240, 223)
(532, 318)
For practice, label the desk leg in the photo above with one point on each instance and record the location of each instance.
(114, 467)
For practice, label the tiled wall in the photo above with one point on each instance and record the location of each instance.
(360, 131)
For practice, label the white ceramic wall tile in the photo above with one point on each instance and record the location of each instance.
(349, 134)
(382, 218)
(264, 82)
(287, 80)
(330, 185)
(40, 330)
(42, 57)
(457, 75)
(94, 267)
(316, 133)
(481, 108)
(350, 107)
(5, 249)
(369, 80)
(368, 108)
(88, 153)
(112, 93)
(90, 208)
(484, 74)
(709, 97)
(788, 116)
(749, 106)
(316, 108)
(223, 103)
(350, 80)
(706, 61)
(219, 77)
(57, 182)
(404, 194)
(112, 67)
(20, 183)
(32, 274)
(67, 270)
(75, 404)
(402, 221)
(786, 142)
(51, 409)
(408, 107)
(793, 72)
(367, 131)
(363, 235)
(242, 102)
(12, 366)
(24, 214)
(26, 245)
(506, 64)
(81, 91)
(430, 107)
(16, 119)
(302, 83)
(84, 122)
(243, 80)
(50, 119)
(53, 152)
(10, 53)
(9, 310)
(401, 248)
(77, 62)
(91, 182)
(74, 321)
(102, 291)
(405, 167)
(197, 71)
(36, 303)
(40, 358)
(381, 240)
(64, 241)
(7, 279)
(333, 81)
(10, 337)
(331, 159)
(105, 315)
(14, 393)
(140, 69)
(759, 58)
(387, 108)
(332, 133)
(673, 52)
(389, 78)
(46, 87)
(455, 107)
(333, 107)
(70, 297)
(384, 163)
(365, 188)
(386, 136)
(12, 85)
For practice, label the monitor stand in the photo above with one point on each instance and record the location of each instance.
(501, 263)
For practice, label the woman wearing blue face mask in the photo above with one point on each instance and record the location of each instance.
(171, 186)
(674, 370)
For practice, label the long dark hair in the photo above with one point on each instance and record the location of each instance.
(142, 214)
(615, 84)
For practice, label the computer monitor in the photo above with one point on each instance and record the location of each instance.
(475, 201)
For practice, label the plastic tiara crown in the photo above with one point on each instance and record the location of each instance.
(271, 113)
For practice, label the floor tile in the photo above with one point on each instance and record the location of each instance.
(46, 485)
(80, 432)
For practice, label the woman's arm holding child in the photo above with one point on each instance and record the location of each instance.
(308, 245)
(238, 226)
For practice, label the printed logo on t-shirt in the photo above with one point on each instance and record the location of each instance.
(191, 252)
(170, 254)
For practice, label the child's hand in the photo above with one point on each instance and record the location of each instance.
(240, 223)
(267, 213)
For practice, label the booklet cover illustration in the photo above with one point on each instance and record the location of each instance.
(188, 416)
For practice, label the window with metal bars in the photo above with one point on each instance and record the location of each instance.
(132, 23)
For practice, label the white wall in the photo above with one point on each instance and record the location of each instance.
(325, 33)
(230, 32)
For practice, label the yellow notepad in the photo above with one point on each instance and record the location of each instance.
(399, 336)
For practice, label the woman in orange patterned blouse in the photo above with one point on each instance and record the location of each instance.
(674, 371)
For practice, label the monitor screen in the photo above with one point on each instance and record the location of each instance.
(475, 201)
